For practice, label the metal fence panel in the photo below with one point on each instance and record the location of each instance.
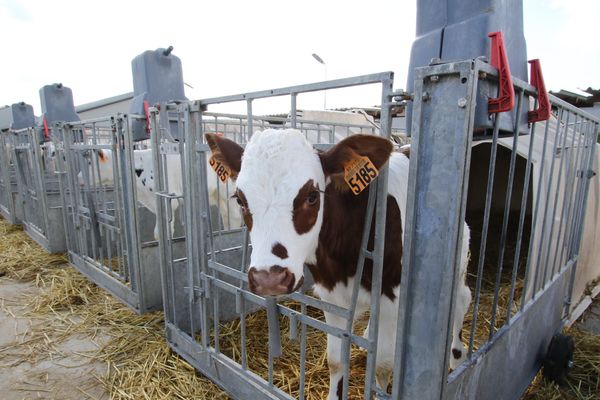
(217, 305)
(109, 235)
(39, 191)
(11, 205)
(525, 232)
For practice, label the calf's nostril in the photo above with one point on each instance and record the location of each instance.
(275, 281)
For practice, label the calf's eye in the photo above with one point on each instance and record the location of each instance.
(312, 198)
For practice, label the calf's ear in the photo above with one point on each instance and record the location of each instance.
(378, 150)
(226, 151)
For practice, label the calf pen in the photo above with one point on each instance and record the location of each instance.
(11, 206)
(109, 237)
(264, 347)
(38, 188)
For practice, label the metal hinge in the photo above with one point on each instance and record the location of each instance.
(169, 148)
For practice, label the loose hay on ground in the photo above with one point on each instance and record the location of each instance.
(20, 257)
(141, 365)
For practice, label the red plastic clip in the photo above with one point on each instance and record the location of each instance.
(542, 113)
(147, 113)
(506, 100)
(46, 130)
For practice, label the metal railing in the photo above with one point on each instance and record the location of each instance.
(218, 306)
(109, 235)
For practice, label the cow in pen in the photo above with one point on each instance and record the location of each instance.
(300, 210)
(102, 171)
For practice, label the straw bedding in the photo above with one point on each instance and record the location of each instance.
(139, 363)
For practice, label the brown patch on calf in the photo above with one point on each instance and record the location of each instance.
(306, 210)
(102, 157)
(344, 216)
(246, 214)
(226, 151)
(280, 251)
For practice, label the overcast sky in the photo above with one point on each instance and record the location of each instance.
(229, 47)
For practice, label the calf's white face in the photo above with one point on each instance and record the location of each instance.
(280, 183)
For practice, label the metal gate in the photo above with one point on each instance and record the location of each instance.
(11, 206)
(210, 325)
(521, 293)
(39, 191)
(109, 235)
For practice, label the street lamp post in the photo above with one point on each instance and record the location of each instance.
(320, 61)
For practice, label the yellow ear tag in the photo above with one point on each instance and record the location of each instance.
(222, 171)
(359, 173)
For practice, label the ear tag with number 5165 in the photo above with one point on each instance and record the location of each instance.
(222, 171)
(359, 173)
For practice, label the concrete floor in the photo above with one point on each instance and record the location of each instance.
(66, 372)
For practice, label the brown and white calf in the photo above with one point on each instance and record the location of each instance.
(300, 211)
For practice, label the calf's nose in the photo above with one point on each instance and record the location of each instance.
(272, 282)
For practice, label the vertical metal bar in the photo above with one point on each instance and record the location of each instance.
(168, 281)
(293, 110)
(542, 234)
(535, 213)
(555, 203)
(302, 353)
(566, 197)
(379, 242)
(524, 197)
(484, 233)
(580, 162)
(442, 126)
(581, 223)
(507, 203)
(250, 122)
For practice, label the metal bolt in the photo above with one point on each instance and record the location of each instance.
(434, 78)
(462, 102)
(482, 75)
(425, 96)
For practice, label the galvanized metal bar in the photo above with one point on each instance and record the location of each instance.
(538, 273)
(579, 176)
(250, 122)
(312, 87)
(567, 198)
(523, 212)
(486, 224)
(293, 110)
(379, 241)
(548, 264)
(593, 134)
(506, 216)
(443, 117)
(533, 233)
(274, 334)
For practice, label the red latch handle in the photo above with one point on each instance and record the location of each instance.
(147, 112)
(506, 99)
(46, 130)
(542, 113)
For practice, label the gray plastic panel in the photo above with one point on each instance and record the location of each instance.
(458, 29)
(16, 116)
(57, 106)
(157, 77)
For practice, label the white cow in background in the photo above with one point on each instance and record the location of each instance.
(218, 194)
